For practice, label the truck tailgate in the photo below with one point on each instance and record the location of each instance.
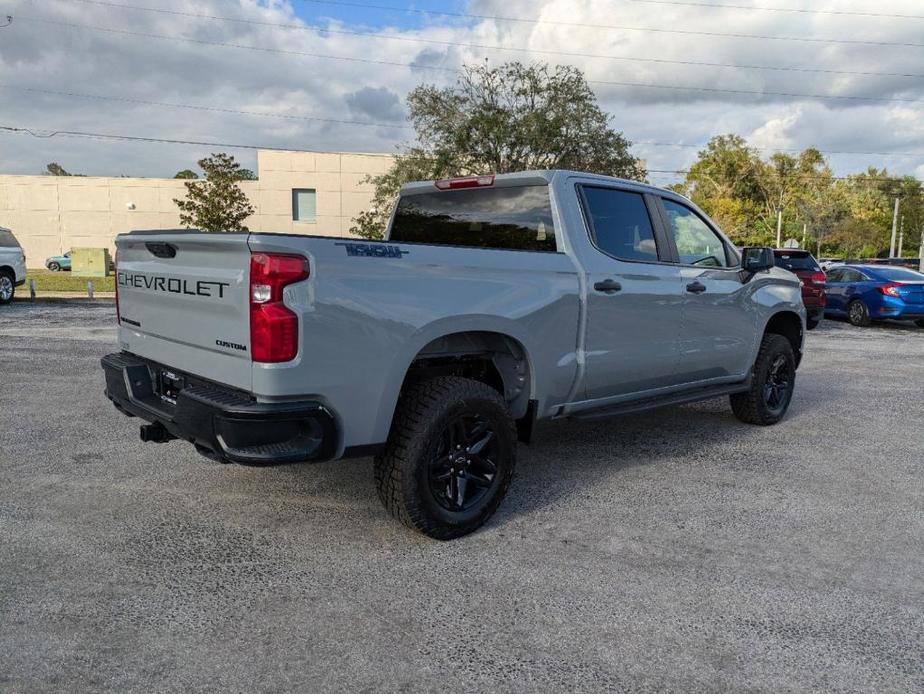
(183, 301)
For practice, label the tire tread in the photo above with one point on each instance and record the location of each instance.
(420, 405)
(749, 405)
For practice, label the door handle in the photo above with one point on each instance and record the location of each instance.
(608, 286)
(696, 287)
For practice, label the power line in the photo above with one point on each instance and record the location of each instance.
(47, 134)
(783, 149)
(264, 114)
(649, 2)
(453, 70)
(699, 63)
(194, 107)
(805, 177)
(686, 32)
(261, 49)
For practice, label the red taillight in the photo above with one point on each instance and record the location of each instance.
(467, 182)
(818, 278)
(890, 290)
(273, 327)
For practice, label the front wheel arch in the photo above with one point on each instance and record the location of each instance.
(789, 325)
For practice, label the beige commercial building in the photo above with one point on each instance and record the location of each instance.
(317, 193)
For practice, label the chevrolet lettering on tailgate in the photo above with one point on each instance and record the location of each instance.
(172, 285)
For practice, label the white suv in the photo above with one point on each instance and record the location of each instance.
(12, 265)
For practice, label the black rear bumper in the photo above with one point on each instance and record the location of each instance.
(225, 423)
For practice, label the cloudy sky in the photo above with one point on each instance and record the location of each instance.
(845, 76)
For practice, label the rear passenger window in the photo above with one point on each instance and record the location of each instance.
(518, 218)
(7, 240)
(619, 224)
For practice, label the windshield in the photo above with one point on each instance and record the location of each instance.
(796, 261)
(899, 274)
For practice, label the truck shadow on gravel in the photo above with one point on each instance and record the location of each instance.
(571, 457)
(566, 458)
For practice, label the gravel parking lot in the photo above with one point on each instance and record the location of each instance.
(674, 550)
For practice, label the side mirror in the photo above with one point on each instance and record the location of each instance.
(756, 258)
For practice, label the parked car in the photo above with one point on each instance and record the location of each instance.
(59, 262)
(12, 265)
(493, 303)
(804, 266)
(864, 293)
(910, 263)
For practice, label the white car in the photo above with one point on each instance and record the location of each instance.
(12, 265)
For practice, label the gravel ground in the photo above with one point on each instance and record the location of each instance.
(675, 550)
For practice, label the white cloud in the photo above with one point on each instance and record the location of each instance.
(298, 86)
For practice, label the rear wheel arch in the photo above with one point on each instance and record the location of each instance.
(497, 359)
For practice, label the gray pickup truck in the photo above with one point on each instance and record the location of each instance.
(493, 303)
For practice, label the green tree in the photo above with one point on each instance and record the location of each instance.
(55, 169)
(186, 173)
(855, 238)
(725, 182)
(216, 203)
(513, 117)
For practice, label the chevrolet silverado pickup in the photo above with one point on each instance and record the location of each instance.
(493, 302)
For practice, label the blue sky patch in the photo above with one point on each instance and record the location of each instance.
(361, 15)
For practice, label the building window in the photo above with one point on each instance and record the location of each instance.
(304, 204)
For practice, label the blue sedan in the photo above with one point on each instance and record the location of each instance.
(864, 293)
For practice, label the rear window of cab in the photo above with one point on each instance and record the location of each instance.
(512, 218)
(796, 261)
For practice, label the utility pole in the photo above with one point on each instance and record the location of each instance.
(921, 252)
(894, 229)
(804, 230)
(901, 236)
(779, 228)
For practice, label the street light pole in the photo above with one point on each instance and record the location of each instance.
(779, 228)
(921, 252)
(894, 229)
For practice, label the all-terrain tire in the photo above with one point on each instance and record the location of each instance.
(404, 471)
(752, 406)
(7, 286)
(858, 313)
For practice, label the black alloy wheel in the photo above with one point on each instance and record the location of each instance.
(778, 386)
(463, 469)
